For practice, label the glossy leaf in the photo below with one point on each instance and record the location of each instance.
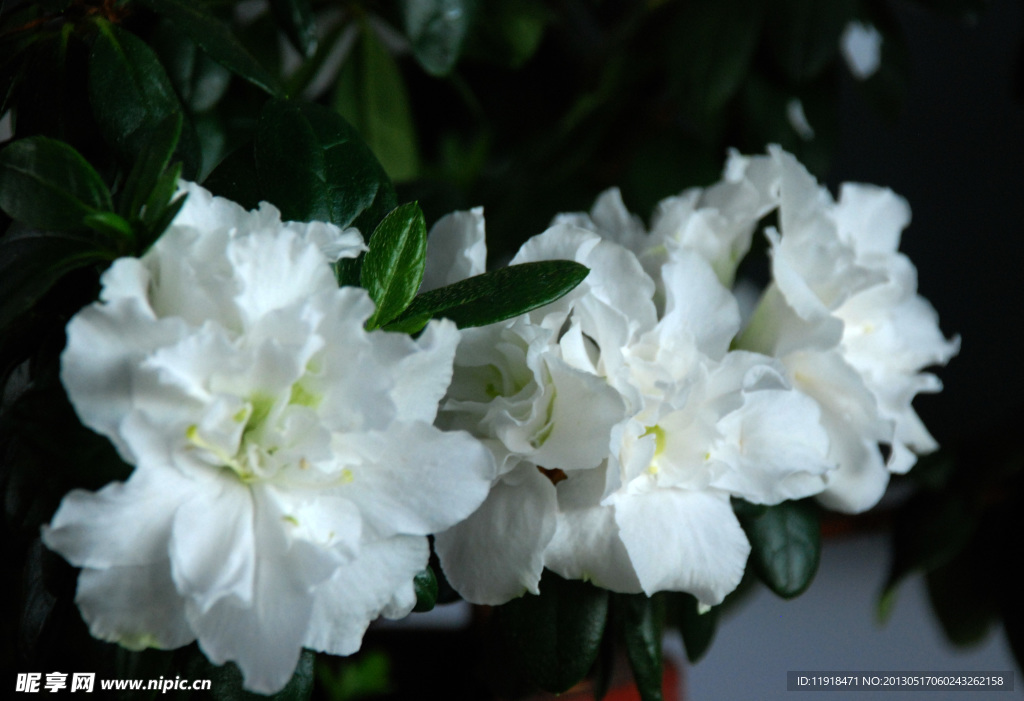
(200, 81)
(785, 545)
(312, 164)
(217, 40)
(495, 296)
(371, 95)
(642, 619)
(556, 636)
(131, 95)
(30, 264)
(425, 584)
(698, 629)
(235, 178)
(437, 29)
(393, 267)
(48, 185)
(296, 17)
(153, 160)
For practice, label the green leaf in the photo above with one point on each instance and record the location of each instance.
(425, 584)
(131, 95)
(312, 165)
(495, 296)
(642, 619)
(296, 17)
(957, 594)
(804, 34)
(48, 185)
(235, 178)
(785, 545)
(153, 160)
(927, 533)
(30, 264)
(508, 32)
(371, 95)
(711, 50)
(200, 81)
(436, 29)
(556, 636)
(393, 266)
(112, 226)
(698, 629)
(218, 41)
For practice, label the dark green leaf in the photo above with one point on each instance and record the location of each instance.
(508, 32)
(30, 264)
(393, 267)
(46, 184)
(642, 619)
(712, 48)
(785, 544)
(160, 208)
(426, 590)
(312, 165)
(235, 178)
(928, 532)
(296, 17)
(200, 81)
(436, 29)
(112, 226)
(217, 40)
(153, 160)
(131, 95)
(698, 629)
(955, 592)
(496, 296)
(556, 636)
(371, 95)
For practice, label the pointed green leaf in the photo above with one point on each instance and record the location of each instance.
(112, 226)
(496, 296)
(153, 160)
(218, 41)
(642, 620)
(131, 96)
(393, 267)
(425, 584)
(30, 264)
(556, 636)
(785, 543)
(312, 165)
(296, 17)
(698, 628)
(48, 185)
(371, 95)
(436, 29)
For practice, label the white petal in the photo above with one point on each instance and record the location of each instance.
(497, 553)
(122, 524)
(456, 249)
(417, 480)
(681, 540)
(360, 591)
(135, 606)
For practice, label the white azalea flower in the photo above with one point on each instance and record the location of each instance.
(843, 315)
(286, 467)
(660, 427)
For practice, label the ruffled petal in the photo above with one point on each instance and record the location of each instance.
(497, 554)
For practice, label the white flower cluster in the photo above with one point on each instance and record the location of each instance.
(626, 415)
(287, 469)
(287, 465)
